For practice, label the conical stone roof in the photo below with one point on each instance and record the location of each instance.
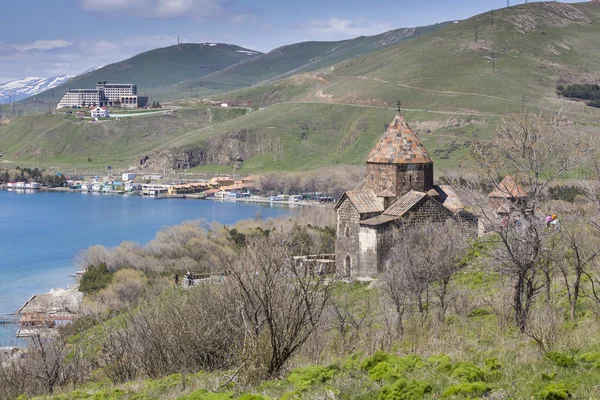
(399, 145)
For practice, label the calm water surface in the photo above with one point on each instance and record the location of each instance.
(41, 233)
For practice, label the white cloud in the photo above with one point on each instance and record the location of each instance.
(336, 27)
(42, 45)
(196, 9)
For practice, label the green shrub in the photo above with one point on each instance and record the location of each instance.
(473, 388)
(96, 277)
(405, 390)
(493, 364)
(305, 377)
(554, 391)
(549, 377)
(480, 312)
(374, 359)
(384, 366)
(592, 359)
(440, 361)
(253, 397)
(352, 362)
(204, 394)
(384, 371)
(469, 372)
(560, 359)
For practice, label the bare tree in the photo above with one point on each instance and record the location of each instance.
(579, 249)
(423, 258)
(280, 302)
(535, 151)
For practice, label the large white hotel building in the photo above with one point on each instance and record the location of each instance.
(105, 95)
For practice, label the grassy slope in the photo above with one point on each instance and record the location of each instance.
(59, 140)
(534, 45)
(509, 365)
(318, 135)
(301, 57)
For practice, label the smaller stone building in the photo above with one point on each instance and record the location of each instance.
(507, 194)
(398, 190)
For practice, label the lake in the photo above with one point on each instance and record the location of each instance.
(41, 233)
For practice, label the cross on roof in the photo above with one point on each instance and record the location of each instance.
(399, 104)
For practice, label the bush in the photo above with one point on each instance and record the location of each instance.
(441, 362)
(203, 394)
(305, 377)
(384, 371)
(554, 391)
(592, 359)
(561, 359)
(493, 364)
(405, 390)
(469, 372)
(473, 388)
(96, 277)
(384, 366)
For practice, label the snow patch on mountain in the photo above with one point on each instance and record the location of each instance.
(26, 87)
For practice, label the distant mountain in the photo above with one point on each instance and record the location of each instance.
(159, 68)
(303, 57)
(26, 87)
(92, 69)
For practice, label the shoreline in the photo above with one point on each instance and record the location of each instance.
(251, 200)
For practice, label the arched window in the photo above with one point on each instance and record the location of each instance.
(348, 266)
(347, 231)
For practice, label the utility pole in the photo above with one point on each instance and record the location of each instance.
(248, 82)
(523, 103)
(507, 3)
(177, 40)
(492, 17)
(493, 62)
(200, 82)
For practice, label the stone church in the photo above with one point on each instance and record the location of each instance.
(398, 189)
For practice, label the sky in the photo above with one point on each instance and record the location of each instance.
(44, 38)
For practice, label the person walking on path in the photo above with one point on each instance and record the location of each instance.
(176, 280)
(548, 221)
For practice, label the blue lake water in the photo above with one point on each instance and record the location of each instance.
(41, 233)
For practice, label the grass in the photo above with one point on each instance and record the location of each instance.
(65, 141)
(444, 71)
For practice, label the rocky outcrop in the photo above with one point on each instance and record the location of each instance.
(229, 149)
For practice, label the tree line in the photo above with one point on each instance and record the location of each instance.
(590, 92)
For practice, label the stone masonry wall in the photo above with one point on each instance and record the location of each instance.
(346, 243)
(401, 178)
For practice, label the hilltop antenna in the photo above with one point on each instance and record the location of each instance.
(507, 3)
(177, 40)
(492, 16)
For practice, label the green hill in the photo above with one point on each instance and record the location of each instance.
(155, 69)
(527, 51)
(446, 81)
(301, 57)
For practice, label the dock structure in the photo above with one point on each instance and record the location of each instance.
(43, 312)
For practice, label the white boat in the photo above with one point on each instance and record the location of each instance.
(97, 187)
